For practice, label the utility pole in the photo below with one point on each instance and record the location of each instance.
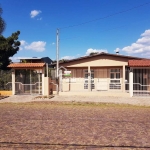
(57, 53)
(57, 59)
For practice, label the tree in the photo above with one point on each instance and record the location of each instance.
(8, 47)
(2, 22)
(93, 53)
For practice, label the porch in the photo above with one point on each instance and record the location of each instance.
(110, 81)
(95, 79)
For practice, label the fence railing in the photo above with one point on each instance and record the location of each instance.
(35, 88)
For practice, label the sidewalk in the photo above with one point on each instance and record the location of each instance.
(98, 99)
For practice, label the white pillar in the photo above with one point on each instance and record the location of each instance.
(13, 82)
(43, 75)
(131, 82)
(89, 78)
(39, 84)
(60, 80)
(123, 78)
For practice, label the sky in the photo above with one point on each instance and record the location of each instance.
(85, 26)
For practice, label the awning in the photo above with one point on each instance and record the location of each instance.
(26, 65)
(139, 63)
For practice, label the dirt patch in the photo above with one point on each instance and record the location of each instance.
(2, 97)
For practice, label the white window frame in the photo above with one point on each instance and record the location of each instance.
(117, 84)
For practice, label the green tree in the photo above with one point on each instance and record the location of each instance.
(2, 22)
(8, 47)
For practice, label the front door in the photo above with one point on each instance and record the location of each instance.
(86, 79)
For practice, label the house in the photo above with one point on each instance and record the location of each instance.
(98, 73)
(106, 72)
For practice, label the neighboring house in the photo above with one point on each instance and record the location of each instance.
(36, 60)
(107, 72)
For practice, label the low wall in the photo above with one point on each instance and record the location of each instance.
(6, 93)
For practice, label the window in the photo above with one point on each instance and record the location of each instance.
(112, 75)
(114, 79)
(117, 75)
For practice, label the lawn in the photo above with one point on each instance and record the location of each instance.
(49, 125)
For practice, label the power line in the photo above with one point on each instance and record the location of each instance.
(114, 28)
(71, 26)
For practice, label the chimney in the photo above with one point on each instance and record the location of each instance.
(117, 52)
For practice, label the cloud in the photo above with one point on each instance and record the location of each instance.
(141, 46)
(90, 50)
(23, 43)
(53, 43)
(17, 59)
(68, 57)
(38, 46)
(39, 18)
(14, 59)
(34, 13)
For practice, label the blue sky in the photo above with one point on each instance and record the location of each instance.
(85, 26)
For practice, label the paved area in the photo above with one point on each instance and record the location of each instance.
(46, 125)
(99, 99)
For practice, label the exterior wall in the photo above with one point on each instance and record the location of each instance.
(46, 86)
(73, 84)
(7, 93)
(98, 61)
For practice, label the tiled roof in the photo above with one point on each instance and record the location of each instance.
(139, 63)
(26, 65)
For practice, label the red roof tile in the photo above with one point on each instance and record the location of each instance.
(26, 65)
(139, 63)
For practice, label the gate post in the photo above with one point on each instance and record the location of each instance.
(60, 80)
(13, 82)
(43, 75)
(131, 82)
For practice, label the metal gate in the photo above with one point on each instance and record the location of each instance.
(28, 82)
(141, 82)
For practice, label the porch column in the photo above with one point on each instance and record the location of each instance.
(123, 79)
(43, 75)
(131, 82)
(89, 78)
(13, 82)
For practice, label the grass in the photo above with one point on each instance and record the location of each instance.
(42, 104)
